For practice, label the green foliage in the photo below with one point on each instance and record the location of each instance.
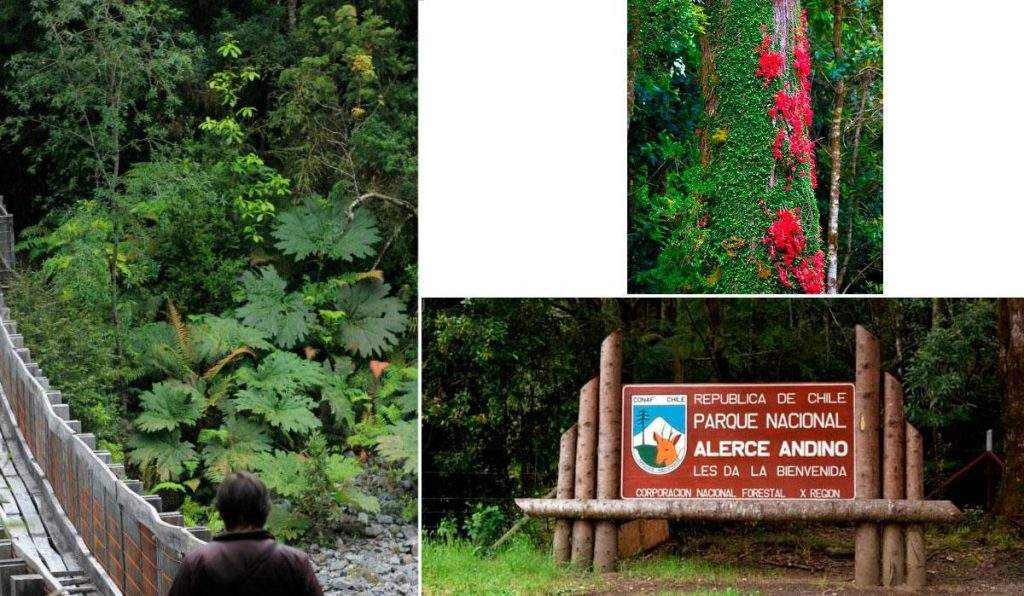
(275, 391)
(206, 161)
(314, 483)
(400, 445)
(373, 319)
(165, 453)
(953, 370)
(235, 446)
(321, 228)
(169, 405)
(270, 308)
(485, 524)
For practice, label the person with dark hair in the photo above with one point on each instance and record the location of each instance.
(245, 558)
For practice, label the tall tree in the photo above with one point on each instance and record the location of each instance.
(834, 150)
(1011, 365)
(757, 156)
(101, 89)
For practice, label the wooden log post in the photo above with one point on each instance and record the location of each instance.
(747, 510)
(894, 483)
(586, 460)
(562, 547)
(916, 555)
(867, 557)
(609, 440)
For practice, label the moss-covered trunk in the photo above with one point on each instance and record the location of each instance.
(758, 175)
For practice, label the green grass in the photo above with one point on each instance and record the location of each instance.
(523, 568)
(454, 568)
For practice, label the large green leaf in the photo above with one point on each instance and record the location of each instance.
(233, 447)
(282, 373)
(164, 451)
(290, 413)
(275, 391)
(168, 405)
(341, 397)
(321, 228)
(270, 308)
(372, 318)
(284, 472)
(401, 445)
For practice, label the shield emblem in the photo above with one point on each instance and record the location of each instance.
(659, 432)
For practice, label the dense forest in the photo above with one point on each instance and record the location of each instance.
(502, 378)
(755, 146)
(216, 204)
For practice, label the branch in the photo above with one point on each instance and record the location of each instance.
(351, 211)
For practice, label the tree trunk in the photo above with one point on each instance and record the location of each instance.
(865, 86)
(834, 150)
(757, 155)
(1010, 501)
(293, 6)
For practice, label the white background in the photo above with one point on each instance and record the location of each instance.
(523, 148)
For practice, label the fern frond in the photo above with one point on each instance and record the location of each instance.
(220, 364)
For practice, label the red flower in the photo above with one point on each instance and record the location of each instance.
(769, 63)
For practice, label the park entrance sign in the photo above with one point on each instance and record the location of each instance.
(738, 441)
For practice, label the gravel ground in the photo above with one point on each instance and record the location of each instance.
(374, 554)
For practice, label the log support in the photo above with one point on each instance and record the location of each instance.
(894, 483)
(916, 556)
(586, 456)
(900, 511)
(562, 546)
(609, 439)
(867, 554)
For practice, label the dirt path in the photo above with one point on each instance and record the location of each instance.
(813, 560)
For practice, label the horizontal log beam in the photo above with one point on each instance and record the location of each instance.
(875, 510)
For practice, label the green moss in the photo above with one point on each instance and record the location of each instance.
(736, 180)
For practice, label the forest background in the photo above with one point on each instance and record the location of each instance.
(217, 205)
(673, 214)
(502, 377)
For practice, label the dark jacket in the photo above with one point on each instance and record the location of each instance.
(250, 563)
